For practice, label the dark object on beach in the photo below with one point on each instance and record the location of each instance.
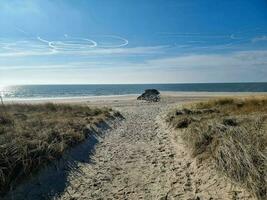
(151, 95)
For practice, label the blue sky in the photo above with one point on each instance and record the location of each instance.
(125, 41)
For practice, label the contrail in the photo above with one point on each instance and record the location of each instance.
(125, 41)
(67, 45)
(70, 45)
(50, 44)
(92, 41)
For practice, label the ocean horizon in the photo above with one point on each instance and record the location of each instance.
(84, 90)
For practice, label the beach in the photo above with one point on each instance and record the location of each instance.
(133, 100)
(139, 157)
(114, 100)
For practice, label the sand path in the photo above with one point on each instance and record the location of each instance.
(141, 159)
(132, 162)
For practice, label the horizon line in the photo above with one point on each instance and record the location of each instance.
(182, 83)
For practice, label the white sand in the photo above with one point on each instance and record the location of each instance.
(99, 100)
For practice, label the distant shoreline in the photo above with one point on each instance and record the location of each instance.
(125, 97)
(66, 92)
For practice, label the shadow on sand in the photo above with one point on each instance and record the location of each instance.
(51, 181)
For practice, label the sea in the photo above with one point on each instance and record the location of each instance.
(70, 91)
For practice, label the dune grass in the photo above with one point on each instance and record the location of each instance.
(33, 135)
(232, 133)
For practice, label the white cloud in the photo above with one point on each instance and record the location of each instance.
(92, 52)
(230, 67)
(239, 59)
(234, 59)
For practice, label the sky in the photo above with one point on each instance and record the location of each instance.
(125, 41)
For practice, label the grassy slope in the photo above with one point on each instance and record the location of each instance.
(33, 135)
(232, 132)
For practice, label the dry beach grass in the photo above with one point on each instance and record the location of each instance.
(232, 133)
(33, 135)
(142, 157)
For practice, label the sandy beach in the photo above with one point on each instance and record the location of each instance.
(130, 98)
(139, 157)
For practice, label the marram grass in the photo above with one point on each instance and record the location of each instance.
(33, 135)
(232, 132)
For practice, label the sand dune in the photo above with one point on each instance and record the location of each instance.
(140, 158)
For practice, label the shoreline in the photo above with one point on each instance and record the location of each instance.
(125, 97)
